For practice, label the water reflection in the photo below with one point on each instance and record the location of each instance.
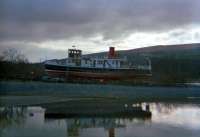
(186, 115)
(177, 119)
(11, 116)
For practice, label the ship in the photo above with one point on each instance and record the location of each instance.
(111, 67)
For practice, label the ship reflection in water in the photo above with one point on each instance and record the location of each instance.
(166, 120)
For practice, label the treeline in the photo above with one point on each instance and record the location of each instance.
(21, 71)
(15, 66)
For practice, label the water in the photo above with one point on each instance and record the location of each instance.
(167, 120)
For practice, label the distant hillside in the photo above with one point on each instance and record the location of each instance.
(181, 50)
(167, 48)
(172, 63)
(175, 51)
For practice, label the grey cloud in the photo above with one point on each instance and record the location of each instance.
(41, 20)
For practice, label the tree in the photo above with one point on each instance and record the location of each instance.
(12, 55)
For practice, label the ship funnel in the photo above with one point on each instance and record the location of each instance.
(111, 53)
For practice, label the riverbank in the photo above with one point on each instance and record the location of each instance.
(21, 93)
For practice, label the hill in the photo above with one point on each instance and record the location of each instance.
(181, 50)
(178, 51)
(172, 63)
(167, 48)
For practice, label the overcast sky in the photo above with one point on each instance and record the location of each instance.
(47, 28)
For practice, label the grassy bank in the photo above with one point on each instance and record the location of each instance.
(39, 92)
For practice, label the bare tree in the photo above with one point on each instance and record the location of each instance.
(1, 58)
(12, 55)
